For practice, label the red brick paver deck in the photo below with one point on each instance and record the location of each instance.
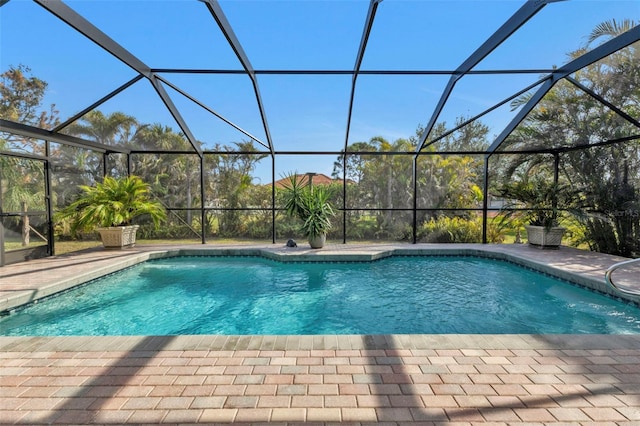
(359, 379)
(462, 379)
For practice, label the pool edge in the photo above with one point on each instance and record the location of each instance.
(243, 343)
(286, 254)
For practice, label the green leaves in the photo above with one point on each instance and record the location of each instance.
(113, 202)
(540, 197)
(309, 203)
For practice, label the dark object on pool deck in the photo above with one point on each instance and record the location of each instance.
(292, 243)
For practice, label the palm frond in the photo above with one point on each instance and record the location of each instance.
(610, 29)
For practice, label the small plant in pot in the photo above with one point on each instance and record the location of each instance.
(537, 201)
(310, 203)
(109, 208)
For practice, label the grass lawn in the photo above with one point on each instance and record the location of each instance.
(63, 247)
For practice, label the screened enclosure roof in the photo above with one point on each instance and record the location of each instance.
(306, 76)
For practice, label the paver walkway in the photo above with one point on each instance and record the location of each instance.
(586, 380)
(392, 379)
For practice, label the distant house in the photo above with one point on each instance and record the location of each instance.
(316, 179)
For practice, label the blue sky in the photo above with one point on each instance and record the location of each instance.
(305, 113)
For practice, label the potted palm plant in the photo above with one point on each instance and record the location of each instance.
(310, 203)
(537, 202)
(110, 206)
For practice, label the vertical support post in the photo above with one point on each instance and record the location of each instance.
(485, 199)
(273, 199)
(344, 197)
(556, 178)
(1, 240)
(129, 164)
(104, 164)
(1, 222)
(415, 199)
(49, 200)
(203, 213)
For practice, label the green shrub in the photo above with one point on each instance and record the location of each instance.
(457, 230)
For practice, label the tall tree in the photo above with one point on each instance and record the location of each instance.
(384, 179)
(116, 128)
(21, 101)
(607, 176)
(22, 186)
(175, 178)
(229, 184)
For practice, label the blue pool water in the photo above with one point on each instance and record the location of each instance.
(252, 295)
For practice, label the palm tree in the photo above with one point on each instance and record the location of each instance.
(607, 176)
(22, 188)
(610, 29)
(174, 176)
(116, 128)
(112, 202)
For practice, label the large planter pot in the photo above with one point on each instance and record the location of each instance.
(543, 237)
(118, 237)
(318, 241)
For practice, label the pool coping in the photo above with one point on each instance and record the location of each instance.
(590, 273)
(321, 342)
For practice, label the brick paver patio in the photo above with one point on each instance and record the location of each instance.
(393, 379)
(464, 379)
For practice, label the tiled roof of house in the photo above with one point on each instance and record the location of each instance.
(317, 179)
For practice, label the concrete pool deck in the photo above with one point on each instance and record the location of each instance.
(358, 379)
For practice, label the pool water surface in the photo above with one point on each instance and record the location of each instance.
(254, 295)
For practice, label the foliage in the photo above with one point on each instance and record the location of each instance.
(450, 230)
(362, 226)
(116, 128)
(309, 203)
(21, 182)
(608, 177)
(380, 182)
(457, 229)
(539, 197)
(113, 202)
(21, 98)
(230, 186)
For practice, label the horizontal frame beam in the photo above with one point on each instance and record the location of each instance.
(218, 15)
(517, 20)
(210, 110)
(598, 53)
(38, 133)
(93, 33)
(351, 72)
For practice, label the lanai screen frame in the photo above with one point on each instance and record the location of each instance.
(511, 26)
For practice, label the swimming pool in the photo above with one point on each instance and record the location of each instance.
(254, 295)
